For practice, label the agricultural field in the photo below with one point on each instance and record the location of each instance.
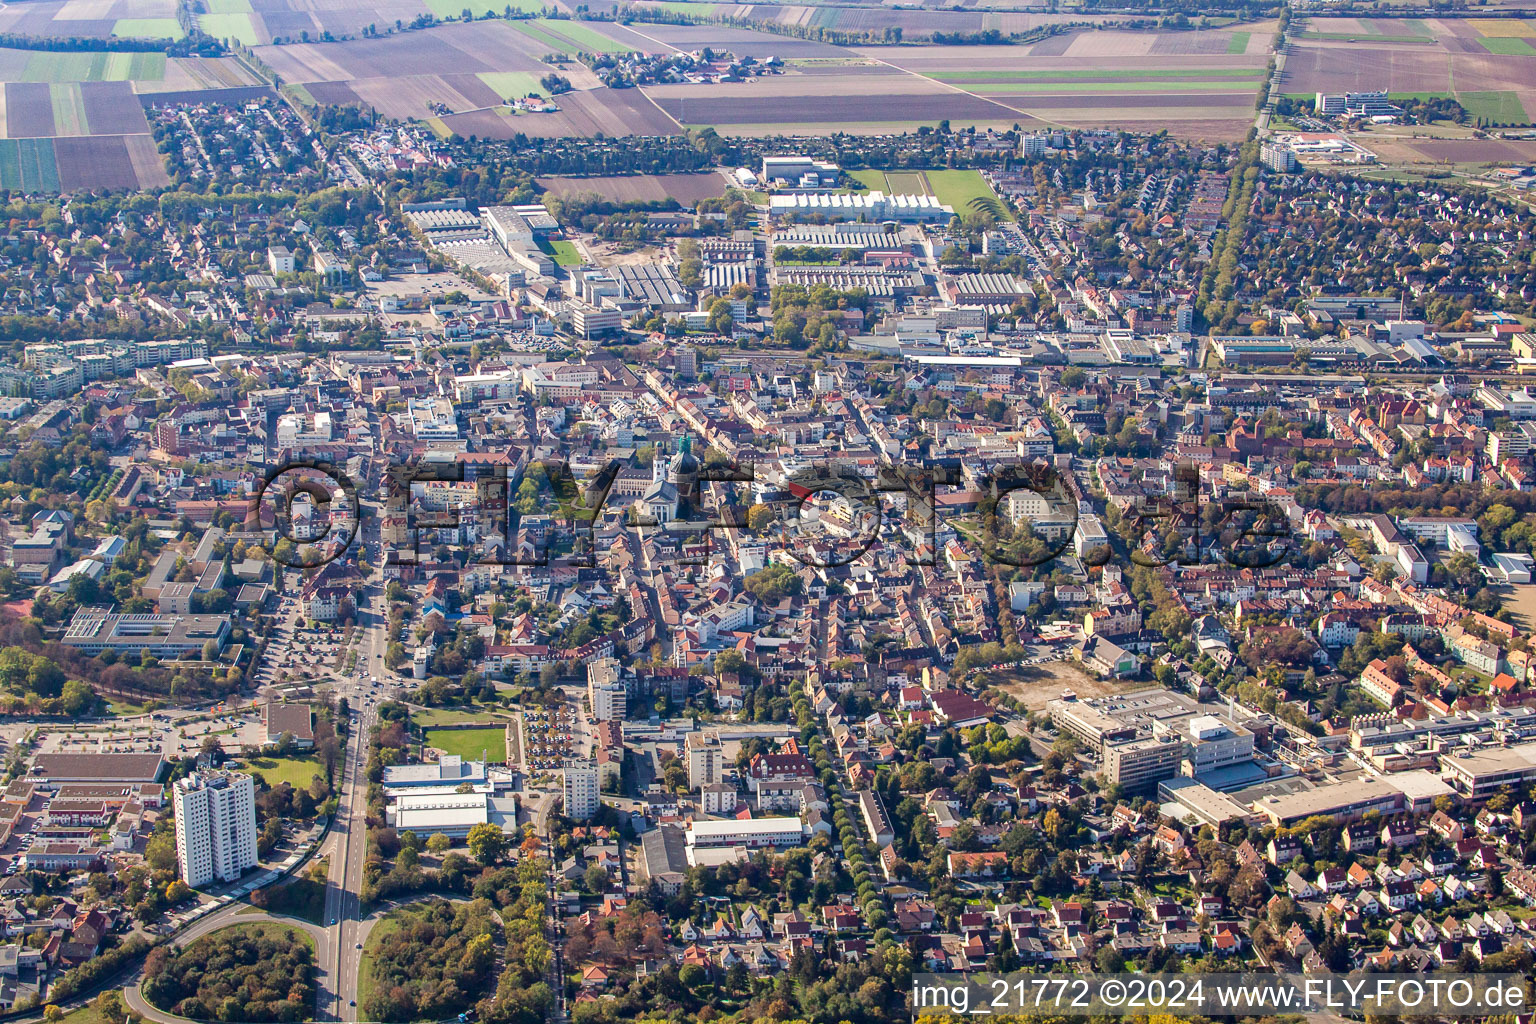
(1196, 84)
(686, 189)
(93, 19)
(1480, 62)
(469, 70)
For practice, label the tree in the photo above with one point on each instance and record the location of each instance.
(438, 843)
(486, 843)
(759, 517)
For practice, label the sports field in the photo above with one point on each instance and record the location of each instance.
(470, 743)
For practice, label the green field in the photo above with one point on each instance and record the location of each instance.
(535, 31)
(296, 771)
(905, 183)
(29, 165)
(302, 897)
(448, 8)
(1239, 42)
(228, 6)
(148, 28)
(872, 179)
(509, 84)
(92, 67)
(68, 109)
(1497, 107)
(585, 37)
(238, 27)
(468, 743)
(1508, 46)
(959, 188)
(1130, 74)
(562, 252)
(1363, 37)
(427, 718)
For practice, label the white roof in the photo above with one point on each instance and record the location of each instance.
(731, 827)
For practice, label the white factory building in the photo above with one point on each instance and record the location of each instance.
(873, 206)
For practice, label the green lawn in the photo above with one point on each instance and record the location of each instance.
(296, 771)
(88, 1014)
(1500, 107)
(561, 251)
(870, 178)
(429, 717)
(148, 28)
(469, 743)
(959, 188)
(238, 27)
(1239, 42)
(1508, 46)
(300, 898)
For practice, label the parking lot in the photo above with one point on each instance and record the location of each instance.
(547, 737)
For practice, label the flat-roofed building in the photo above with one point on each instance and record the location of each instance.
(94, 630)
(452, 814)
(52, 770)
(450, 770)
(1478, 774)
(296, 720)
(1341, 801)
(751, 832)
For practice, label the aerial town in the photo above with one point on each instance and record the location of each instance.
(453, 569)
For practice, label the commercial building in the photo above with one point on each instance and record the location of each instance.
(51, 771)
(294, 720)
(1146, 737)
(452, 814)
(215, 826)
(1341, 801)
(751, 833)
(1479, 774)
(795, 168)
(451, 771)
(874, 206)
(95, 629)
(582, 789)
(664, 858)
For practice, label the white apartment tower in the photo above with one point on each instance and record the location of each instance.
(581, 790)
(605, 690)
(215, 826)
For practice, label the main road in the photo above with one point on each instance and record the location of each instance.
(349, 832)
